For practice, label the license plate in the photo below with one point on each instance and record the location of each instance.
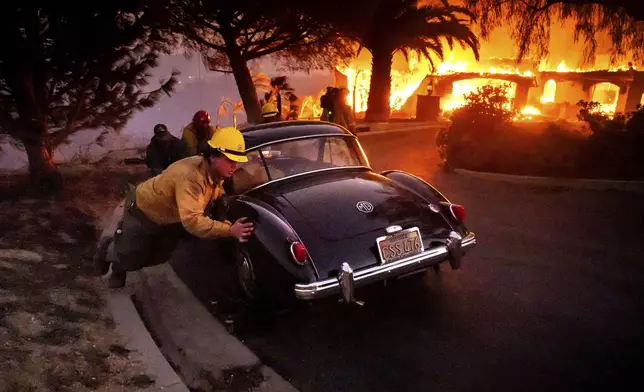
(400, 245)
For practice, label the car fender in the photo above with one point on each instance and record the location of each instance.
(271, 237)
(428, 192)
(415, 184)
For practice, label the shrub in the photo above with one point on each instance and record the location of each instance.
(478, 122)
(483, 137)
(615, 148)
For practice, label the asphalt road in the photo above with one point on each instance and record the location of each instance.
(552, 298)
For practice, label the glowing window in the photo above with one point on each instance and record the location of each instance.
(606, 94)
(549, 90)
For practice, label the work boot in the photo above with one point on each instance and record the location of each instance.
(101, 263)
(117, 278)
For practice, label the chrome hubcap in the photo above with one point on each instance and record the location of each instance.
(247, 277)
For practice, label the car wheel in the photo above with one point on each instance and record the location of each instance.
(246, 276)
(256, 298)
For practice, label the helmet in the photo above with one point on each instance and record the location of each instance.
(160, 129)
(201, 116)
(269, 110)
(230, 142)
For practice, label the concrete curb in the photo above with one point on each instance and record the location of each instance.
(138, 339)
(206, 356)
(575, 183)
(401, 129)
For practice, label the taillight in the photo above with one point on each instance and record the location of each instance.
(458, 211)
(299, 253)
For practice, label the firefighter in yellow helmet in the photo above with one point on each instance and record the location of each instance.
(270, 113)
(161, 208)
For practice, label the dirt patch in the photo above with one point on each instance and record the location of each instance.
(55, 330)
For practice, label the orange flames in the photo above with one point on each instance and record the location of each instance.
(411, 78)
(407, 77)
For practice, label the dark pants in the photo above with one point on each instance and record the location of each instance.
(139, 242)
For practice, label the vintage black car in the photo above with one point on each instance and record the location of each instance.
(325, 223)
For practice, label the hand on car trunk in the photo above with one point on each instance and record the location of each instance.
(242, 229)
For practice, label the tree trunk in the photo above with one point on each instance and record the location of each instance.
(279, 103)
(380, 86)
(43, 172)
(244, 80)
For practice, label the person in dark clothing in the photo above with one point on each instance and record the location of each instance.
(164, 149)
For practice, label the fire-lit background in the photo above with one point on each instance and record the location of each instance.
(548, 87)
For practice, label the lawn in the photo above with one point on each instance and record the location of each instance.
(55, 330)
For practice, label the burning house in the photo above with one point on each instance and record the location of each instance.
(549, 88)
(534, 89)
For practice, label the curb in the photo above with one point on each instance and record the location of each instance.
(576, 183)
(205, 354)
(138, 339)
(401, 129)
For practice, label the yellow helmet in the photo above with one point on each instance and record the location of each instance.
(230, 142)
(269, 110)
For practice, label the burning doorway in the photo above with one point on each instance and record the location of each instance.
(607, 95)
(462, 88)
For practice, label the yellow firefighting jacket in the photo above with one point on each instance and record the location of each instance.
(190, 141)
(180, 194)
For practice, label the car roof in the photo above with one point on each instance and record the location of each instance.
(256, 135)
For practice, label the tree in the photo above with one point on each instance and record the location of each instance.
(402, 25)
(231, 34)
(530, 20)
(279, 86)
(67, 68)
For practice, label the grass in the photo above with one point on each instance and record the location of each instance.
(55, 330)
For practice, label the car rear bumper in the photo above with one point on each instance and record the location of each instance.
(451, 252)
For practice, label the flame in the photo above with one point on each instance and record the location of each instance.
(310, 107)
(562, 67)
(462, 88)
(606, 94)
(452, 66)
(549, 91)
(529, 112)
(406, 77)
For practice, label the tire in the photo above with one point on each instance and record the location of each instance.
(257, 298)
(246, 278)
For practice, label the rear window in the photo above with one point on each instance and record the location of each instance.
(296, 157)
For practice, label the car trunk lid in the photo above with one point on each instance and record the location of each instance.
(347, 207)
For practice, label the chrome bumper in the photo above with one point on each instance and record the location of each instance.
(344, 284)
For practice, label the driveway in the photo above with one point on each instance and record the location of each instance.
(552, 298)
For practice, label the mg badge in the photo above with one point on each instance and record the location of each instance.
(434, 207)
(364, 206)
